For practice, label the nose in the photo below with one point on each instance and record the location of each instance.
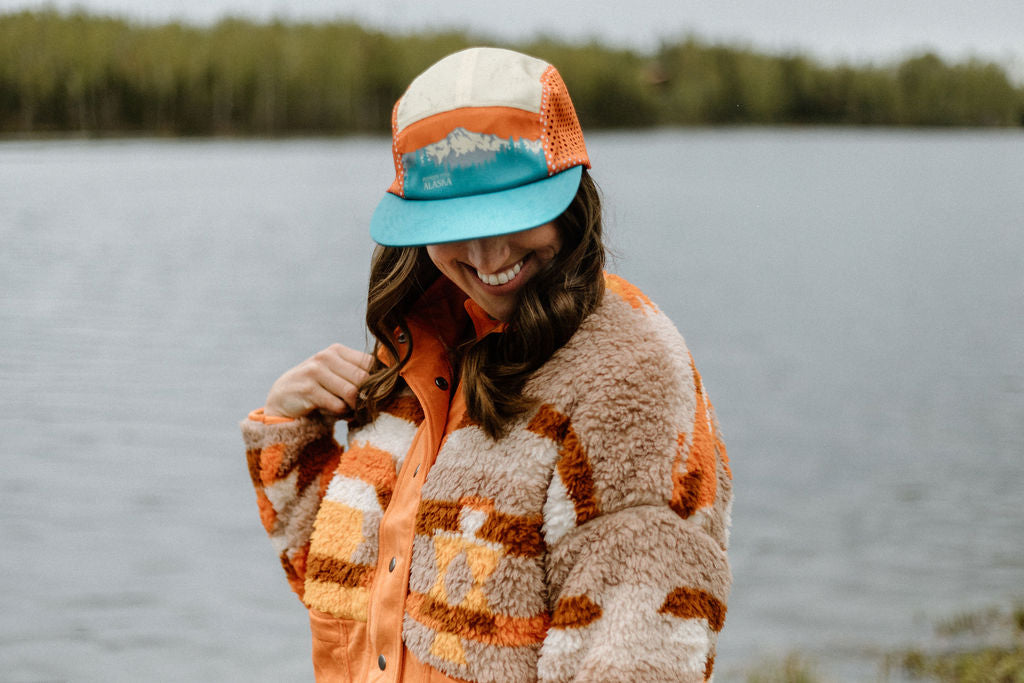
(488, 254)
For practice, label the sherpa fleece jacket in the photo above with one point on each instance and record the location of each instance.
(588, 544)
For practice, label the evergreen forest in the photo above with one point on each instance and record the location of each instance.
(88, 74)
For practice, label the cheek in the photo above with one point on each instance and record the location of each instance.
(446, 259)
(549, 247)
(442, 256)
(550, 251)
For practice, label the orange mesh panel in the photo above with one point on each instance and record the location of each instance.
(398, 186)
(563, 137)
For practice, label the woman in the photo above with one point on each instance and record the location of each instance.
(533, 487)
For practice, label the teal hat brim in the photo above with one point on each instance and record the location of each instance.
(399, 222)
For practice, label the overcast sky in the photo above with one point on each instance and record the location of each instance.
(859, 30)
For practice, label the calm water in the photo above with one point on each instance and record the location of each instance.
(854, 299)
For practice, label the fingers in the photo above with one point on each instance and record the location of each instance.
(329, 381)
(342, 371)
(341, 383)
(357, 358)
(326, 401)
(347, 363)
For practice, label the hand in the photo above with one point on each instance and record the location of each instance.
(328, 382)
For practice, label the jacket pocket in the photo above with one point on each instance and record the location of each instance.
(330, 648)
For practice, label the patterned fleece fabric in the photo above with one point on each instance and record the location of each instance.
(588, 544)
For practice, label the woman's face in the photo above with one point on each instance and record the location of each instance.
(491, 270)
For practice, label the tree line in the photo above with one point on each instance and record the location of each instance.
(85, 73)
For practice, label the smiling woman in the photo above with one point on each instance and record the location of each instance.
(534, 487)
(491, 270)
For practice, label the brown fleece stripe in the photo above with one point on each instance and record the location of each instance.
(329, 569)
(573, 463)
(520, 535)
(437, 514)
(685, 488)
(709, 667)
(252, 457)
(702, 455)
(493, 629)
(691, 603)
(549, 423)
(457, 619)
(315, 458)
(575, 612)
(288, 569)
(299, 558)
(694, 471)
(578, 477)
(405, 406)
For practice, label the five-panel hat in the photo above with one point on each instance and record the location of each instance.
(486, 142)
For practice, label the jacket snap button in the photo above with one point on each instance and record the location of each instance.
(441, 383)
(391, 565)
(381, 662)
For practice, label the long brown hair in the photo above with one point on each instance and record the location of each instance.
(493, 370)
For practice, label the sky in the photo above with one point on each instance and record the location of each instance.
(863, 30)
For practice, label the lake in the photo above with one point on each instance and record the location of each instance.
(853, 298)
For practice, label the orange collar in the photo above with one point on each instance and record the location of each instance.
(443, 308)
(483, 323)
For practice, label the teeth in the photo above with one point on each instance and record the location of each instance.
(501, 278)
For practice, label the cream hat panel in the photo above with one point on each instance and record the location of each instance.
(477, 77)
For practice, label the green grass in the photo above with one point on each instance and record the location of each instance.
(794, 668)
(986, 665)
(982, 646)
(979, 646)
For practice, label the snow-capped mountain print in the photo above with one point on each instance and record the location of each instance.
(466, 162)
(466, 148)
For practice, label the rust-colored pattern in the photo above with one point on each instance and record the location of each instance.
(689, 603)
(575, 611)
(587, 543)
(629, 293)
(573, 464)
(466, 545)
(289, 464)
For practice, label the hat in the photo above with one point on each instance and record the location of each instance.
(486, 142)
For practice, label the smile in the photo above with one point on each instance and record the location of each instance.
(504, 277)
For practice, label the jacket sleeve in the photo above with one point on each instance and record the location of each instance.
(637, 524)
(291, 463)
